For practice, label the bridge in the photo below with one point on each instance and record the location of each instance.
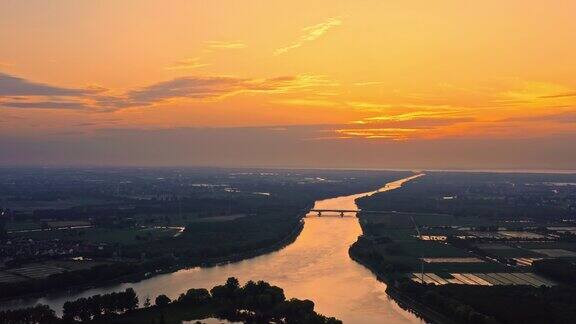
(342, 212)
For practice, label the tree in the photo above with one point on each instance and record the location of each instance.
(232, 283)
(195, 296)
(228, 291)
(146, 302)
(130, 300)
(37, 314)
(85, 309)
(162, 301)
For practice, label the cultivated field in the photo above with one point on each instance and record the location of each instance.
(482, 279)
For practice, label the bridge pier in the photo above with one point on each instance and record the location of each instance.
(319, 214)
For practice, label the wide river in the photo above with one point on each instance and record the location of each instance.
(316, 267)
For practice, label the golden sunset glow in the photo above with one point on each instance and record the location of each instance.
(369, 70)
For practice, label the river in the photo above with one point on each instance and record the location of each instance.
(316, 267)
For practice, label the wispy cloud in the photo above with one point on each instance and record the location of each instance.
(560, 95)
(312, 102)
(429, 112)
(208, 47)
(395, 134)
(225, 45)
(403, 121)
(15, 86)
(43, 104)
(185, 87)
(17, 92)
(561, 117)
(311, 33)
(526, 92)
(401, 127)
(187, 64)
(368, 83)
(210, 88)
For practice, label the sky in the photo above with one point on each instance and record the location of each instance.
(446, 84)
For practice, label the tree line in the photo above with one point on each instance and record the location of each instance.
(255, 302)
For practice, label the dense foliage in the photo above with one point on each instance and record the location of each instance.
(255, 302)
(85, 309)
(40, 314)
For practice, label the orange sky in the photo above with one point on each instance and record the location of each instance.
(373, 70)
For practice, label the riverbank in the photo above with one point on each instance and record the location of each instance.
(426, 313)
(142, 275)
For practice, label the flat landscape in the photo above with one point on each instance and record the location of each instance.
(496, 230)
(212, 162)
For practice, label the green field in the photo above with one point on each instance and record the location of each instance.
(406, 248)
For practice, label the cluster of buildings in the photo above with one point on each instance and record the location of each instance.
(18, 250)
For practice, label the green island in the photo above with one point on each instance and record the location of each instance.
(255, 302)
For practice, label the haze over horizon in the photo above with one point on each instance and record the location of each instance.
(329, 84)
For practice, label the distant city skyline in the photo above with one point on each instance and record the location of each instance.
(327, 84)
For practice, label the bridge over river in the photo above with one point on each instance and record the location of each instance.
(342, 212)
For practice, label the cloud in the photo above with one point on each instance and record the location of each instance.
(561, 95)
(400, 129)
(426, 112)
(19, 93)
(210, 87)
(223, 45)
(209, 46)
(185, 87)
(414, 121)
(368, 83)
(408, 110)
(395, 134)
(187, 64)
(44, 105)
(563, 117)
(417, 123)
(526, 92)
(311, 33)
(313, 102)
(401, 121)
(15, 86)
